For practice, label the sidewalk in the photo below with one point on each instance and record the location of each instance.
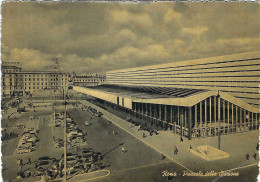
(90, 176)
(237, 145)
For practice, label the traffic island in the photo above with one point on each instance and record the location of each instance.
(209, 153)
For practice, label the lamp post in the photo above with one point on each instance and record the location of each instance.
(65, 138)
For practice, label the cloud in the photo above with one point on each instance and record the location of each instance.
(171, 15)
(97, 37)
(197, 31)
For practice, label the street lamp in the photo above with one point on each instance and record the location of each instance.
(65, 137)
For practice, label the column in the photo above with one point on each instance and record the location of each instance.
(210, 114)
(151, 113)
(201, 119)
(206, 129)
(178, 115)
(224, 116)
(196, 120)
(218, 114)
(147, 109)
(240, 118)
(160, 113)
(228, 116)
(171, 114)
(232, 126)
(165, 116)
(252, 121)
(236, 118)
(245, 120)
(189, 124)
(215, 113)
(135, 110)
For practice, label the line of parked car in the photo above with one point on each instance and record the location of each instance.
(85, 162)
(94, 112)
(28, 141)
(74, 134)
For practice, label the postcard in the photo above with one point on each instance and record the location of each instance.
(130, 91)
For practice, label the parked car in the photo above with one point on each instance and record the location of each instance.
(20, 126)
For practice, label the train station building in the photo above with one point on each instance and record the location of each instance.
(195, 98)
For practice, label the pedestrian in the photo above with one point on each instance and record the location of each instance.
(254, 156)
(123, 150)
(114, 133)
(151, 133)
(181, 139)
(257, 146)
(162, 157)
(144, 135)
(247, 156)
(139, 127)
(190, 147)
(29, 160)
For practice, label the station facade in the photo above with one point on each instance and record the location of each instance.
(195, 98)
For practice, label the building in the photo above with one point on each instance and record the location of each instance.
(88, 80)
(18, 82)
(195, 98)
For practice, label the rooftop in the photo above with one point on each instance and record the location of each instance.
(146, 92)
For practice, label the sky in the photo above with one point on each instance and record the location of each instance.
(91, 37)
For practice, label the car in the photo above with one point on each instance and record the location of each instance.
(58, 143)
(20, 126)
(45, 160)
(23, 150)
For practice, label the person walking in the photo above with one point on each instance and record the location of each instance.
(247, 156)
(144, 135)
(29, 160)
(123, 150)
(181, 139)
(139, 127)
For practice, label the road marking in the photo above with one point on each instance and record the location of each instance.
(148, 165)
(108, 173)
